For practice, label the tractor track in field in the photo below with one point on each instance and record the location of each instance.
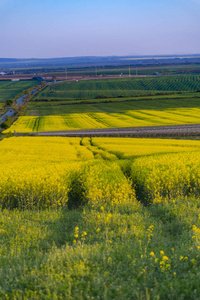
(150, 131)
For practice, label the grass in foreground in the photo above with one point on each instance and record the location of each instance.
(125, 252)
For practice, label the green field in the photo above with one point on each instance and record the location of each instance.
(131, 252)
(114, 105)
(10, 89)
(127, 87)
(72, 226)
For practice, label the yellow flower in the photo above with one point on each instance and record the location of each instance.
(152, 253)
(76, 229)
(162, 252)
(193, 261)
(165, 258)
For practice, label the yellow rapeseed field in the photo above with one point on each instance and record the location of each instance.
(132, 118)
(36, 171)
(130, 147)
(105, 184)
(167, 176)
(53, 171)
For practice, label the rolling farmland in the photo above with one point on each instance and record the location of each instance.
(120, 112)
(114, 218)
(99, 155)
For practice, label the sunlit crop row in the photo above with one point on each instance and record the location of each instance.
(130, 147)
(166, 176)
(105, 184)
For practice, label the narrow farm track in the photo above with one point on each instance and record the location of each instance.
(151, 131)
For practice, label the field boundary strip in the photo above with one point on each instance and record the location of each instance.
(169, 130)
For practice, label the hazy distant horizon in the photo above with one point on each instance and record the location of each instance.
(106, 56)
(55, 29)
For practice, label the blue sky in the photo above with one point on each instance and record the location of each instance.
(62, 28)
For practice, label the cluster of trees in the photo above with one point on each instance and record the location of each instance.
(8, 122)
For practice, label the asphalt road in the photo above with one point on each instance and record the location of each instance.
(171, 130)
(20, 100)
(9, 113)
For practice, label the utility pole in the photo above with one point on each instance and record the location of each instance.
(129, 71)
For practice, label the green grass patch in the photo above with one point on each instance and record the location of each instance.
(9, 89)
(114, 105)
(127, 252)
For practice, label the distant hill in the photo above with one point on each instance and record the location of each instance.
(88, 61)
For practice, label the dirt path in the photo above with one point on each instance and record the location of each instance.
(151, 131)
